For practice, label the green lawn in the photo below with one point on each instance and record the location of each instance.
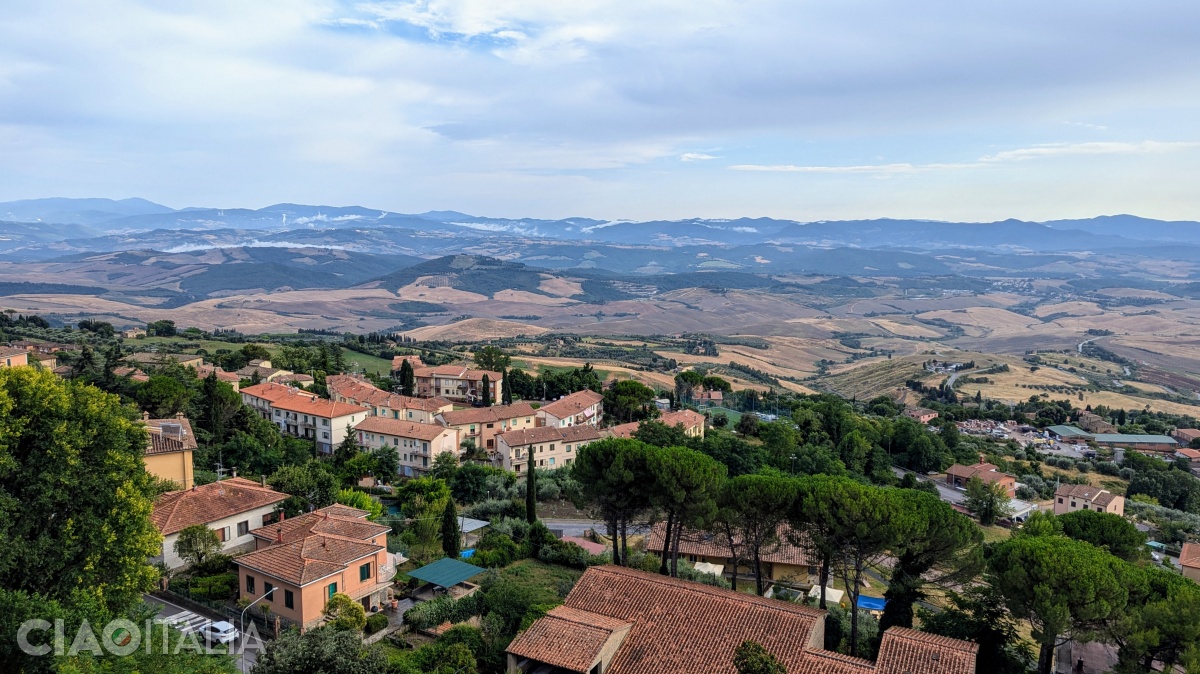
(543, 580)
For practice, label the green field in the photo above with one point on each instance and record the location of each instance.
(354, 359)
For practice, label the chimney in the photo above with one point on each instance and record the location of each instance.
(279, 535)
(145, 416)
(235, 471)
(282, 515)
(982, 458)
(262, 480)
(179, 415)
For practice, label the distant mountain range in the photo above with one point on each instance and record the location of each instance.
(58, 228)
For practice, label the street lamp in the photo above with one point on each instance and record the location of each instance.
(242, 624)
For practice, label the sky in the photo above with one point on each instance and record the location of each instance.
(945, 110)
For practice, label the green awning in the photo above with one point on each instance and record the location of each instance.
(446, 572)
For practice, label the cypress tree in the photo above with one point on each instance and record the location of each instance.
(408, 379)
(486, 384)
(450, 530)
(531, 493)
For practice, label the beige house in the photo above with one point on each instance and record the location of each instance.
(232, 508)
(782, 561)
(1189, 561)
(298, 564)
(581, 407)
(11, 357)
(354, 390)
(231, 378)
(921, 414)
(169, 449)
(324, 421)
(261, 397)
(1072, 497)
(1185, 435)
(692, 422)
(547, 446)
(456, 382)
(415, 443)
(481, 425)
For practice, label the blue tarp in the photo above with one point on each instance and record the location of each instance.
(871, 603)
(467, 554)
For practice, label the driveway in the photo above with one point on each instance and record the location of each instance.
(188, 620)
(945, 492)
(580, 527)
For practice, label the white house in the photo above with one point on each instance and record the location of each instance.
(416, 444)
(232, 508)
(581, 407)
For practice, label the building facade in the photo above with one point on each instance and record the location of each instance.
(481, 425)
(233, 508)
(548, 447)
(1072, 497)
(581, 407)
(416, 444)
(456, 382)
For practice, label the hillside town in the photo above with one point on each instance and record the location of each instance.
(439, 514)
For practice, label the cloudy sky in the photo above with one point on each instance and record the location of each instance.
(610, 109)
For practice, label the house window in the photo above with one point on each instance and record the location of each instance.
(222, 534)
(250, 584)
(243, 528)
(552, 446)
(331, 590)
(325, 435)
(276, 412)
(289, 599)
(1060, 500)
(364, 571)
(491, 425)
(267, 587)
(324, 422)
(551, 461)
(568, 448)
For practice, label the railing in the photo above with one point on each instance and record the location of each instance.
(387, 573)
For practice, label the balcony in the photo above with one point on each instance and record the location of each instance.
(386, 573)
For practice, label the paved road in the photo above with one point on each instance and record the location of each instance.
(580, 527)
(187, 620)
(947, 493)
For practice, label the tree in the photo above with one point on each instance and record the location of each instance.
(408, 379)
(219, 405)
(362, 501)
(320, 651)
(940, 538)
(506, 393)
(485, 396)
(612, 475)
(75, 498)
(387, 464)
(164, 396)
(987, 500)
(310, 486)
(450, 530)
(1105, 530)
(1162, 625)
(530, 491)
(343, 613)
(685, 487)
(751, 658)
(347, 449)
(747, 425)
(163, 328)
(492, 359)
(629, 400)
(752, 509)
(197, 543)
(978, 615)
(445, 466)
(1062, 587)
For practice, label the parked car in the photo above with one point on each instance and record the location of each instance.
(220, 632)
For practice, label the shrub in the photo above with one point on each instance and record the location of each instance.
(435, 612)
(376, 622)
(217, 588)
(1083, 466)
(492, 508)
(1108, 468)
(1127, 473)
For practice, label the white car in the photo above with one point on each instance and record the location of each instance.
(219, 633)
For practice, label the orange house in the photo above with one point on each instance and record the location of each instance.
(13, 357)
(308, 559)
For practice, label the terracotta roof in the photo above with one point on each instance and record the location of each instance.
(161, 444)
(10, 352)
(984, 471)
(317, 407)
(592, 548)
(204, 369)
(1187, 452)
(401, 428)
(271, 392)
(341, 510)
(177, 510)
(1188, 434)
(177, 428)
(570, 405)
(321, 522)
(483, 415)
(456, 372)
(295, 378)
(529, 436)
(360, 392)
(819, 661)
(686, 418)
(1190, 555)
(688, 628)
(1087, 492)
(414, 361)
(308, 560)
(567, 638)
(707, 544)
(623, 430)
(906, 650)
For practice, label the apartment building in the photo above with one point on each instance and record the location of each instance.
(233, 508)
(456, 382)
(354, 390)
(416, 444)
(324, 421)
(169, 449)
(260, 397)
(581, 407)
(481, 425)
(548, 447)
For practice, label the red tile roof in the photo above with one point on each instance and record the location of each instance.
(688, 628)
(685, 418)
(570, 405)
(592, 548)
(529, 436)
(360, 392)
(401, 428)
(706, 544)
(819, 661)
(906, 650)
(308, 560)
(567, 638)
(174, 511)
(1190, 555)
(623, 430)
(1094, 495)
(317, 407)
(322, 521)
(271, 391)
(483, 415)
(176, 428)
(414, 361)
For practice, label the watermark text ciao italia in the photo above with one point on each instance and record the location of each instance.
(124, 637)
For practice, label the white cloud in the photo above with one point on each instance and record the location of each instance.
(696, 156)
